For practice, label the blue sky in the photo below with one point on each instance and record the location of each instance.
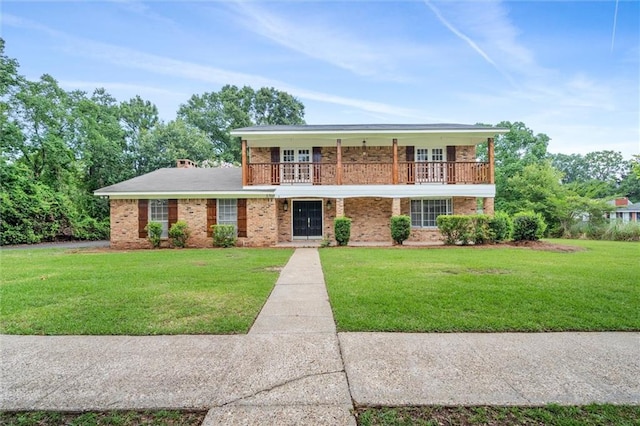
(568, 69)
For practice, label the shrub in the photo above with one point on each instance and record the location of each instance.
(89, 228)
(342, 229)
(528, 226)
(481, 232)
(617, 231)
(595, 232)
(154, 233)
(400, 228)
(326, 241)
(179, 234)
(455, 228)
(500, 227)
(224, 235)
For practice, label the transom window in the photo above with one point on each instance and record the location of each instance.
(159, 212)
(425, 212)
(227, 212)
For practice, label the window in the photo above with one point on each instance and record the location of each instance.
(228, 212)
(159, 212)
(425, 212)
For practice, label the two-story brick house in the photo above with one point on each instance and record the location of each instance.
(295, 180)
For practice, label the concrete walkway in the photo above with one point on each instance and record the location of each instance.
(290, 368)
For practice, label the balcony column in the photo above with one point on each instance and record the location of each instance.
(491, 155)
(339, 207)
(245, 166)
(338, 161)
(395, 162)
(395, 207)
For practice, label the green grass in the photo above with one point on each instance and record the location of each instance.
(146, 292)
(121, 418)
(491, 289)
(550, 415)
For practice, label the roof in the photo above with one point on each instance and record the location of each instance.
(629, 207)
(180, 183)
(366, 128)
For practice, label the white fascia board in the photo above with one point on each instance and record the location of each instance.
(365, 132)
(184, 195)
(385, 191)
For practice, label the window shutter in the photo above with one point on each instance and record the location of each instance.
(451, 167)
(212, 215)
(143, 217)
(317, 159)
(173, 212)
(275, 166)
(411, 177)
(242, 217)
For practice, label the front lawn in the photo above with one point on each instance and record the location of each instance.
(492, 289)
(143, 292)
(595, 414)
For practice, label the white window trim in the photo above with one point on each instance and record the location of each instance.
(219, 208)
(449, 206)
(163, 222)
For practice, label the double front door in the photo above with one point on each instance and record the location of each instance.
(307, 219)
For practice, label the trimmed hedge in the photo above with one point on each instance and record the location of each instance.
(179, 234)
(342, 229)
(456, 228)
(500, 227)
(400, 228)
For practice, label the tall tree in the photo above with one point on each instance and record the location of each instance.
(137, 117)
(217, 113)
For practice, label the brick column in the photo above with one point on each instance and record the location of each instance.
(488, 206)
(395, 207)
(339, 207)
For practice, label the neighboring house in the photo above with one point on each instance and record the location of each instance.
(625, 211)
(295, 180)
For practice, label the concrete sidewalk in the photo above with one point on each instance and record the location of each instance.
(292, 368)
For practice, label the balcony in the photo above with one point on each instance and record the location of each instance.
(363, 173)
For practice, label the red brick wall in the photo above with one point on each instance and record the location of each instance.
(370, 218)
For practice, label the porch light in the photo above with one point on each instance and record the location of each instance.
(329, 204)
(285, 205)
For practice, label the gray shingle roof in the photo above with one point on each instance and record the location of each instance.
(364, 128)
(184, 180)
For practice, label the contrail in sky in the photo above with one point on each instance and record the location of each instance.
(615, 20)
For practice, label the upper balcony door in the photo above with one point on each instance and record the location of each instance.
(430, 165)
(296, 165)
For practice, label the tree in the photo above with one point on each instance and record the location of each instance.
(137, 118)
(167, 143)
(217, 113)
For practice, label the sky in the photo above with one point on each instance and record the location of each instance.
(569, 69)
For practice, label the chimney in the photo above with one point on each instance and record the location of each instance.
(186, 164)
(622, 202)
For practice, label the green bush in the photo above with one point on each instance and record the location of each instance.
(400, 228)
(179, 234)
(618, 231)
(500, 227)
(89, 228)
(224, 235)
(481, 232)
(528, 226)
(154, 233)
(455, 228)
(342, 229)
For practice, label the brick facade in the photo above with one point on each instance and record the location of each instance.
(124, 225)
(370, 218)
(194, 212)
(262, 224)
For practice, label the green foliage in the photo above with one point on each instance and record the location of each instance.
(618, 231)
(481, 231)
(455, 228)
(89, 228)
(500, 227)
(326, 241)
(179, 234)
(342, 229)
(224, 236)
(400, 228)
(154, 233)
(528, 226)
